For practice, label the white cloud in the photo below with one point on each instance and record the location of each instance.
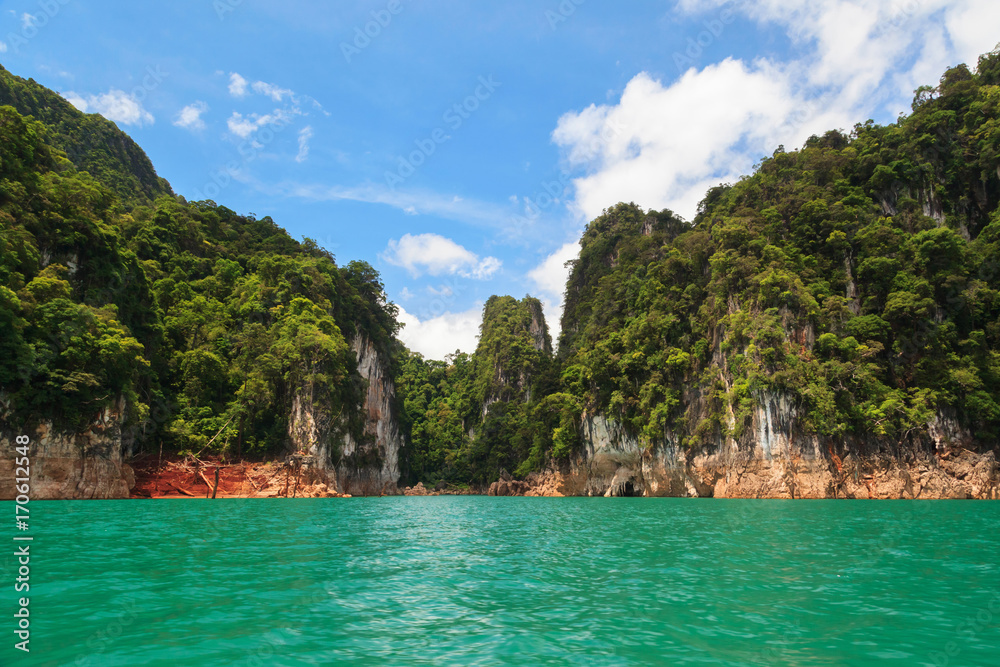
(664, 144)
(438, 336)
(305, 134)
(76, 100)
(237, 85)
(437, 255)
(189, 117)
(270, 90)
(116, 105)
(3, 47)
(27, 20)
(550, 276)
(549, 279)
(443, 290)
(243, 126)
(485, 269)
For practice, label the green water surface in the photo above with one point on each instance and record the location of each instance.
(509, 581)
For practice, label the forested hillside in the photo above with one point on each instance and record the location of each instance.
(845, 295)
(200, 325)
(91, 142)
(473, 416)
(858, 275)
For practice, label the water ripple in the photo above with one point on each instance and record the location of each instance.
(514, 581)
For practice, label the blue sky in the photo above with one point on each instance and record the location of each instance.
(461, 147)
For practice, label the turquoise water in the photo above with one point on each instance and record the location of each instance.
(510, 581)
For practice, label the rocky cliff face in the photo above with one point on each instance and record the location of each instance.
(91, 464)
(803, 337)
(309, 431)
(538, 330)
(71, 466)
(371, 466)
(366, 467)
(776, 461)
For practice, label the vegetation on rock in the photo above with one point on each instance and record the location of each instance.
(857, 277)
(206, 322)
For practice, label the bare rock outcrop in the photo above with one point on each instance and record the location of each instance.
(775, 460)
(366, 466)
(511, 487)
(417, 490)
(71, 465)
(370, 467)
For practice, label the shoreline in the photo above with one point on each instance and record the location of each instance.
(193, 478)
(952, 473)
(483, 495)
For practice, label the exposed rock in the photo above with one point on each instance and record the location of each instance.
(623, 484)
(538, 329)
(371, 467)
(931, 205)
(775, 460)
(368, 467)
(309, 428)
(71, 466)
(548, 483)
(511, 487)
(853, 302)
(91, 464)
(417, 490)
(318, 491)
(946, 432)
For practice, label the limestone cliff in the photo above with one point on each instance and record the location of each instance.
(777, 461)
(64, 465)
(827, 326)
(92, 463)
(359, 466)
(514, 349)
(370, 466)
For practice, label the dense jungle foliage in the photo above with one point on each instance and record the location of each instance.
(859, 277)
(91, 142)
(206, 322)
(472, 416)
